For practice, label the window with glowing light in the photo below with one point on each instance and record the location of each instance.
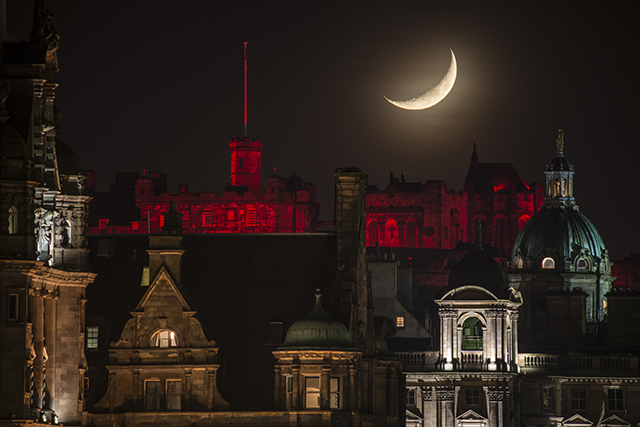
(311, 392)
(548, 263)
(102, 223)
(400, 322)
(164, 339)
(13, 220)
(134, 225)
(207, 219)
(231, 214)
(92, 338)
(161, 220)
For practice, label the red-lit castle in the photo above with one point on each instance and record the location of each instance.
(285, 206)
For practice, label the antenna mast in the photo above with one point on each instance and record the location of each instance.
(245, 89)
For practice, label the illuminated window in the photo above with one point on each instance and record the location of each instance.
(92, 338)
(174, 395)
(207, 219)
(252, 218)
(548, 398)
(518, 263)
(152, 395)
(335, 393)
(548, 263)
(231, 214)
(411, 396)
(13, 220)
(13, 311)
(161, 220)
(472, 334)
(164, 339)
(134, 225)
(578, 399)
(472, 396)
(311, 392)
(274, 335)
(400, 322)
(615, 399)
(582, 264)
(102, 223)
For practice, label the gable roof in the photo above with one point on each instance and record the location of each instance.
(159, 280)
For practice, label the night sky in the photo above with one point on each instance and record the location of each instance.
(159, 85)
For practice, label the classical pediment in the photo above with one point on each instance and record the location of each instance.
(577, 421)
(163, 287)
(614, 421)
(471, 418)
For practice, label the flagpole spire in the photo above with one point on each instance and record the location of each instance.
(245, 89)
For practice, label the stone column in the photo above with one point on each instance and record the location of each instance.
(211, 389)
(50, 334)
(279, 395)
(187, 389)
(112, 391)
(446, 414)
(136, 391)
(352, 390)
(295, 400)
(325, 385)
(37, 320)
(497, 397)
(514, 335)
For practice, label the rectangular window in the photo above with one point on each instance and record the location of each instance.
(92, 338)
(411, 396)
(400, 322)
(615, 399)
(102, 223)
(472, 396)
(161, 220)
(274, 335)
(231, 214)
(13, 312)
(289, 380)
(334, 387)
(311, 392)
(548, 398)
(174, 395)
(152, 395)
(86, 383)
(134, 225)
(252, 218)
(578, 399)
(207, 219)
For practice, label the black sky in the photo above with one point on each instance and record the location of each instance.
(159, 85)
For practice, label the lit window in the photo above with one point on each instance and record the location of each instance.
(174, 395)
(152, 395)
(548, 263)
(13, 312)
(134, 225)
(207, 219)
(615, 399)
(13, 220)
(252, 218)
(334, 390)
(164, 339)
(102, 223)
(311, 392)
(578, 399)
(275, 333)
(411, 396)
(472, 396)
(472, 334)
(400, 322)
(231, 214)
(161, 220)
(548, 397)
(92, 338)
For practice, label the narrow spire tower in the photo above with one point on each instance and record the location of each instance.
(245, 89)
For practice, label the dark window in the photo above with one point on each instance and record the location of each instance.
(615, 398)
(578, 399)
(152, 395)
(411, 396)
(14, 307)
(472, 396)
(548, 397)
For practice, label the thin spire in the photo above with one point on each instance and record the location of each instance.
(245, 89)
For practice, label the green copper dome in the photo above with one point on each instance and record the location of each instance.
(562, 229)
(317, 331)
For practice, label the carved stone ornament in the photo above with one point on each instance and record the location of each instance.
(447, 313)
(445, 395)
(427, 393)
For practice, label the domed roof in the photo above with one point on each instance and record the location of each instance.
(12, 146)
(68, 161)
(479, 268)
(295, 183)
(562, 229)
(318, 330)
(559, 163)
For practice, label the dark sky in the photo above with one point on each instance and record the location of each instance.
(159, 85)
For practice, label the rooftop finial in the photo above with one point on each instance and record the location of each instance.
(560, 140)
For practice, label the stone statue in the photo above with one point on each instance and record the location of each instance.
(43, 30)
(560, 140)
(44, 220)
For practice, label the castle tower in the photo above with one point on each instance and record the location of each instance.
(246, 163)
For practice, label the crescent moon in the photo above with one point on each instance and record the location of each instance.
(433, 95)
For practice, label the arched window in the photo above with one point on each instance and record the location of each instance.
(518, 263)
(13, 220)
(548, 263)
(583, 264)
(372, 233)
(391, 234)
(164, 339)
(472, 334)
